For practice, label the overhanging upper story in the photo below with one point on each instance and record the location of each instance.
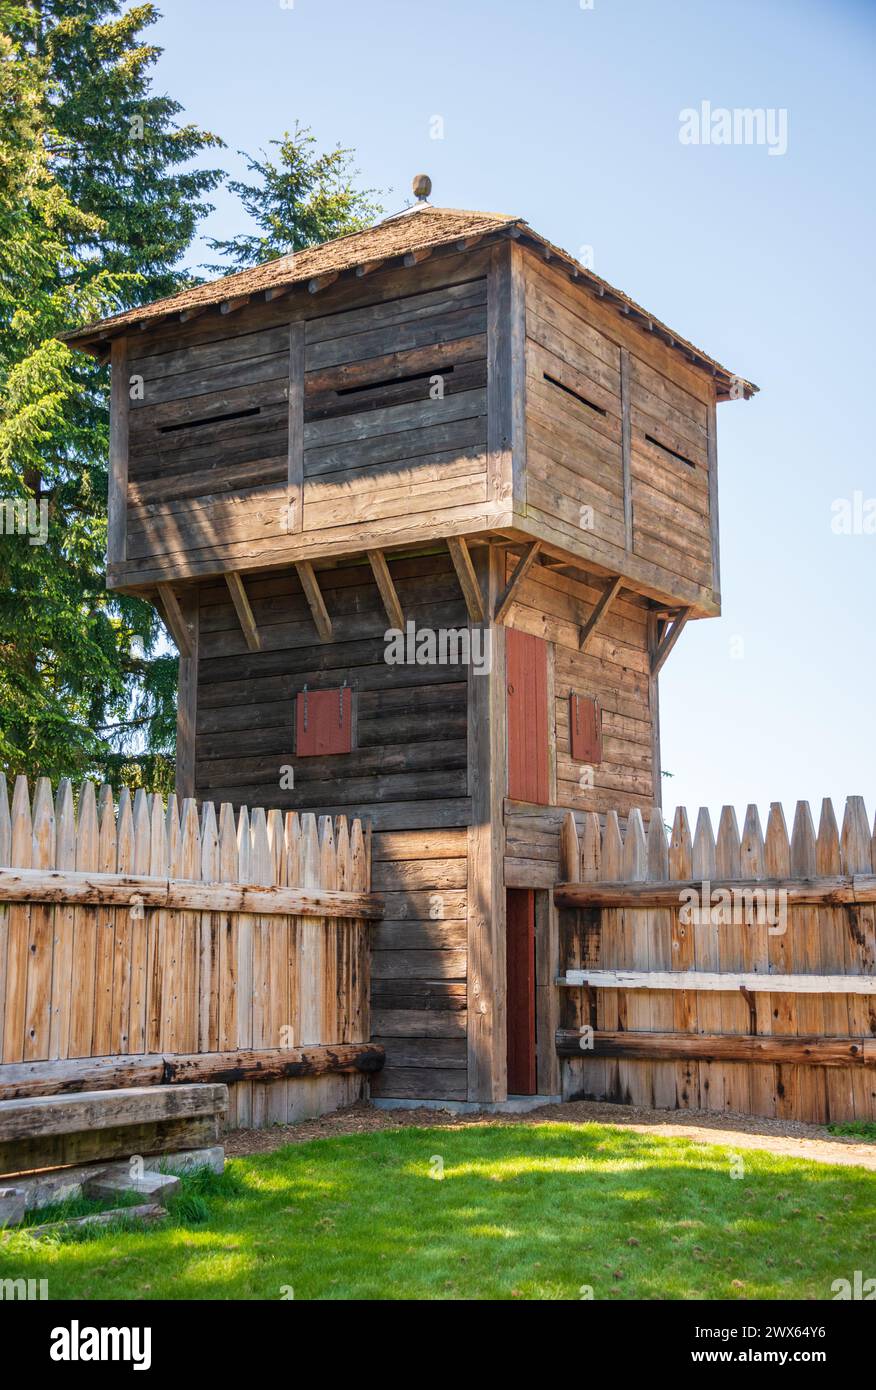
(442, 375)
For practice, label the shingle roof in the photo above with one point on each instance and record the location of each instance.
(423, 228)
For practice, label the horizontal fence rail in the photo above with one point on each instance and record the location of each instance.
(734, 971)
(171, 932)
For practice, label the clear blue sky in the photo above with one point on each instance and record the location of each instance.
(569, 117)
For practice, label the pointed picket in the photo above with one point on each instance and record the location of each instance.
(43, 832)
(106, 835)
(22, 826)
(855, 837)
(804, 848)
(612, 849)
(751, 852)
(328, 864)
(776, 845)
(570, 850)
(209, 844)
(728, 848)
(278, 846)
(680, 846)
(703, 857)
(65, 827)
(591, 849)
(125, 834)
(292, 840)
(658, 847)
(228, 854)
(244, 847)
(172, 837)
(157, 840)
(828, 855)
(142, 832)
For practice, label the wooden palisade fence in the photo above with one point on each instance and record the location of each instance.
(765, 1004)
(144, 943)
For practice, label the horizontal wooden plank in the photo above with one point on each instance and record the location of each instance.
(123, 890)
(726, 982)
(71, 1076)
(787, 1049)
(41, 1116)
(829, 891)
(99, 1145)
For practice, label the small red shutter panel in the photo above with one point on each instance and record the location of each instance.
(323, 722)
(585, 729)
(526, 677)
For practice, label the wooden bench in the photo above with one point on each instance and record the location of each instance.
(54, 1131)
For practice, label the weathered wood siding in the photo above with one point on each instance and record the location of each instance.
(407, 774)
(351, 417)
(615, 671)
(619, 443)
(395, 412)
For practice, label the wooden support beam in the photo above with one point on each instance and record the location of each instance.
(790, 1049)
(243, 610)
(668, 641)
(321, 282)
(834, 891)
(313, 594)
(468, 580)
(187, 697)
(521, 570)
(175, 619)
(466, 243)
(92, 1110)
(23, 1080)
(626, 447)
(120, 890)
(414, 257)
(117, 524)
(590, 628)
(186, 315)
(726, 983)
(388, 592)
(367, 267)
(230, 306)
(295, 434)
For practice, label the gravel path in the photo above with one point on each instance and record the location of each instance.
(787, 1137)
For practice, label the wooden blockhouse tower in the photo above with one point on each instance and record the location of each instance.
(444, 422)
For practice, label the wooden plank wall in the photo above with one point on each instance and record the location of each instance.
(407, 775)
(419, 965)
(367, 447)
(830, 939)
(92, 979)
(407, 768)
(614, 670)
(395, 413)
(611, 411)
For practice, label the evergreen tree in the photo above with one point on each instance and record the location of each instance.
(95, 215)
(301, 199)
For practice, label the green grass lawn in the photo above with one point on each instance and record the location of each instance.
(522, 1211)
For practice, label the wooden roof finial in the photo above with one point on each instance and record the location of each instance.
(422, 186)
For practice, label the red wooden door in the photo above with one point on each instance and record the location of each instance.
(520, 950)
(527, 702)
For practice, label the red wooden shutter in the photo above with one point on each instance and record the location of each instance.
(585, 729)
(520, 956)
(526, 676)
(323, 722)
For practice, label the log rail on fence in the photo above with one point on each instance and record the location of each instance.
(729, 972)
(146, 936)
